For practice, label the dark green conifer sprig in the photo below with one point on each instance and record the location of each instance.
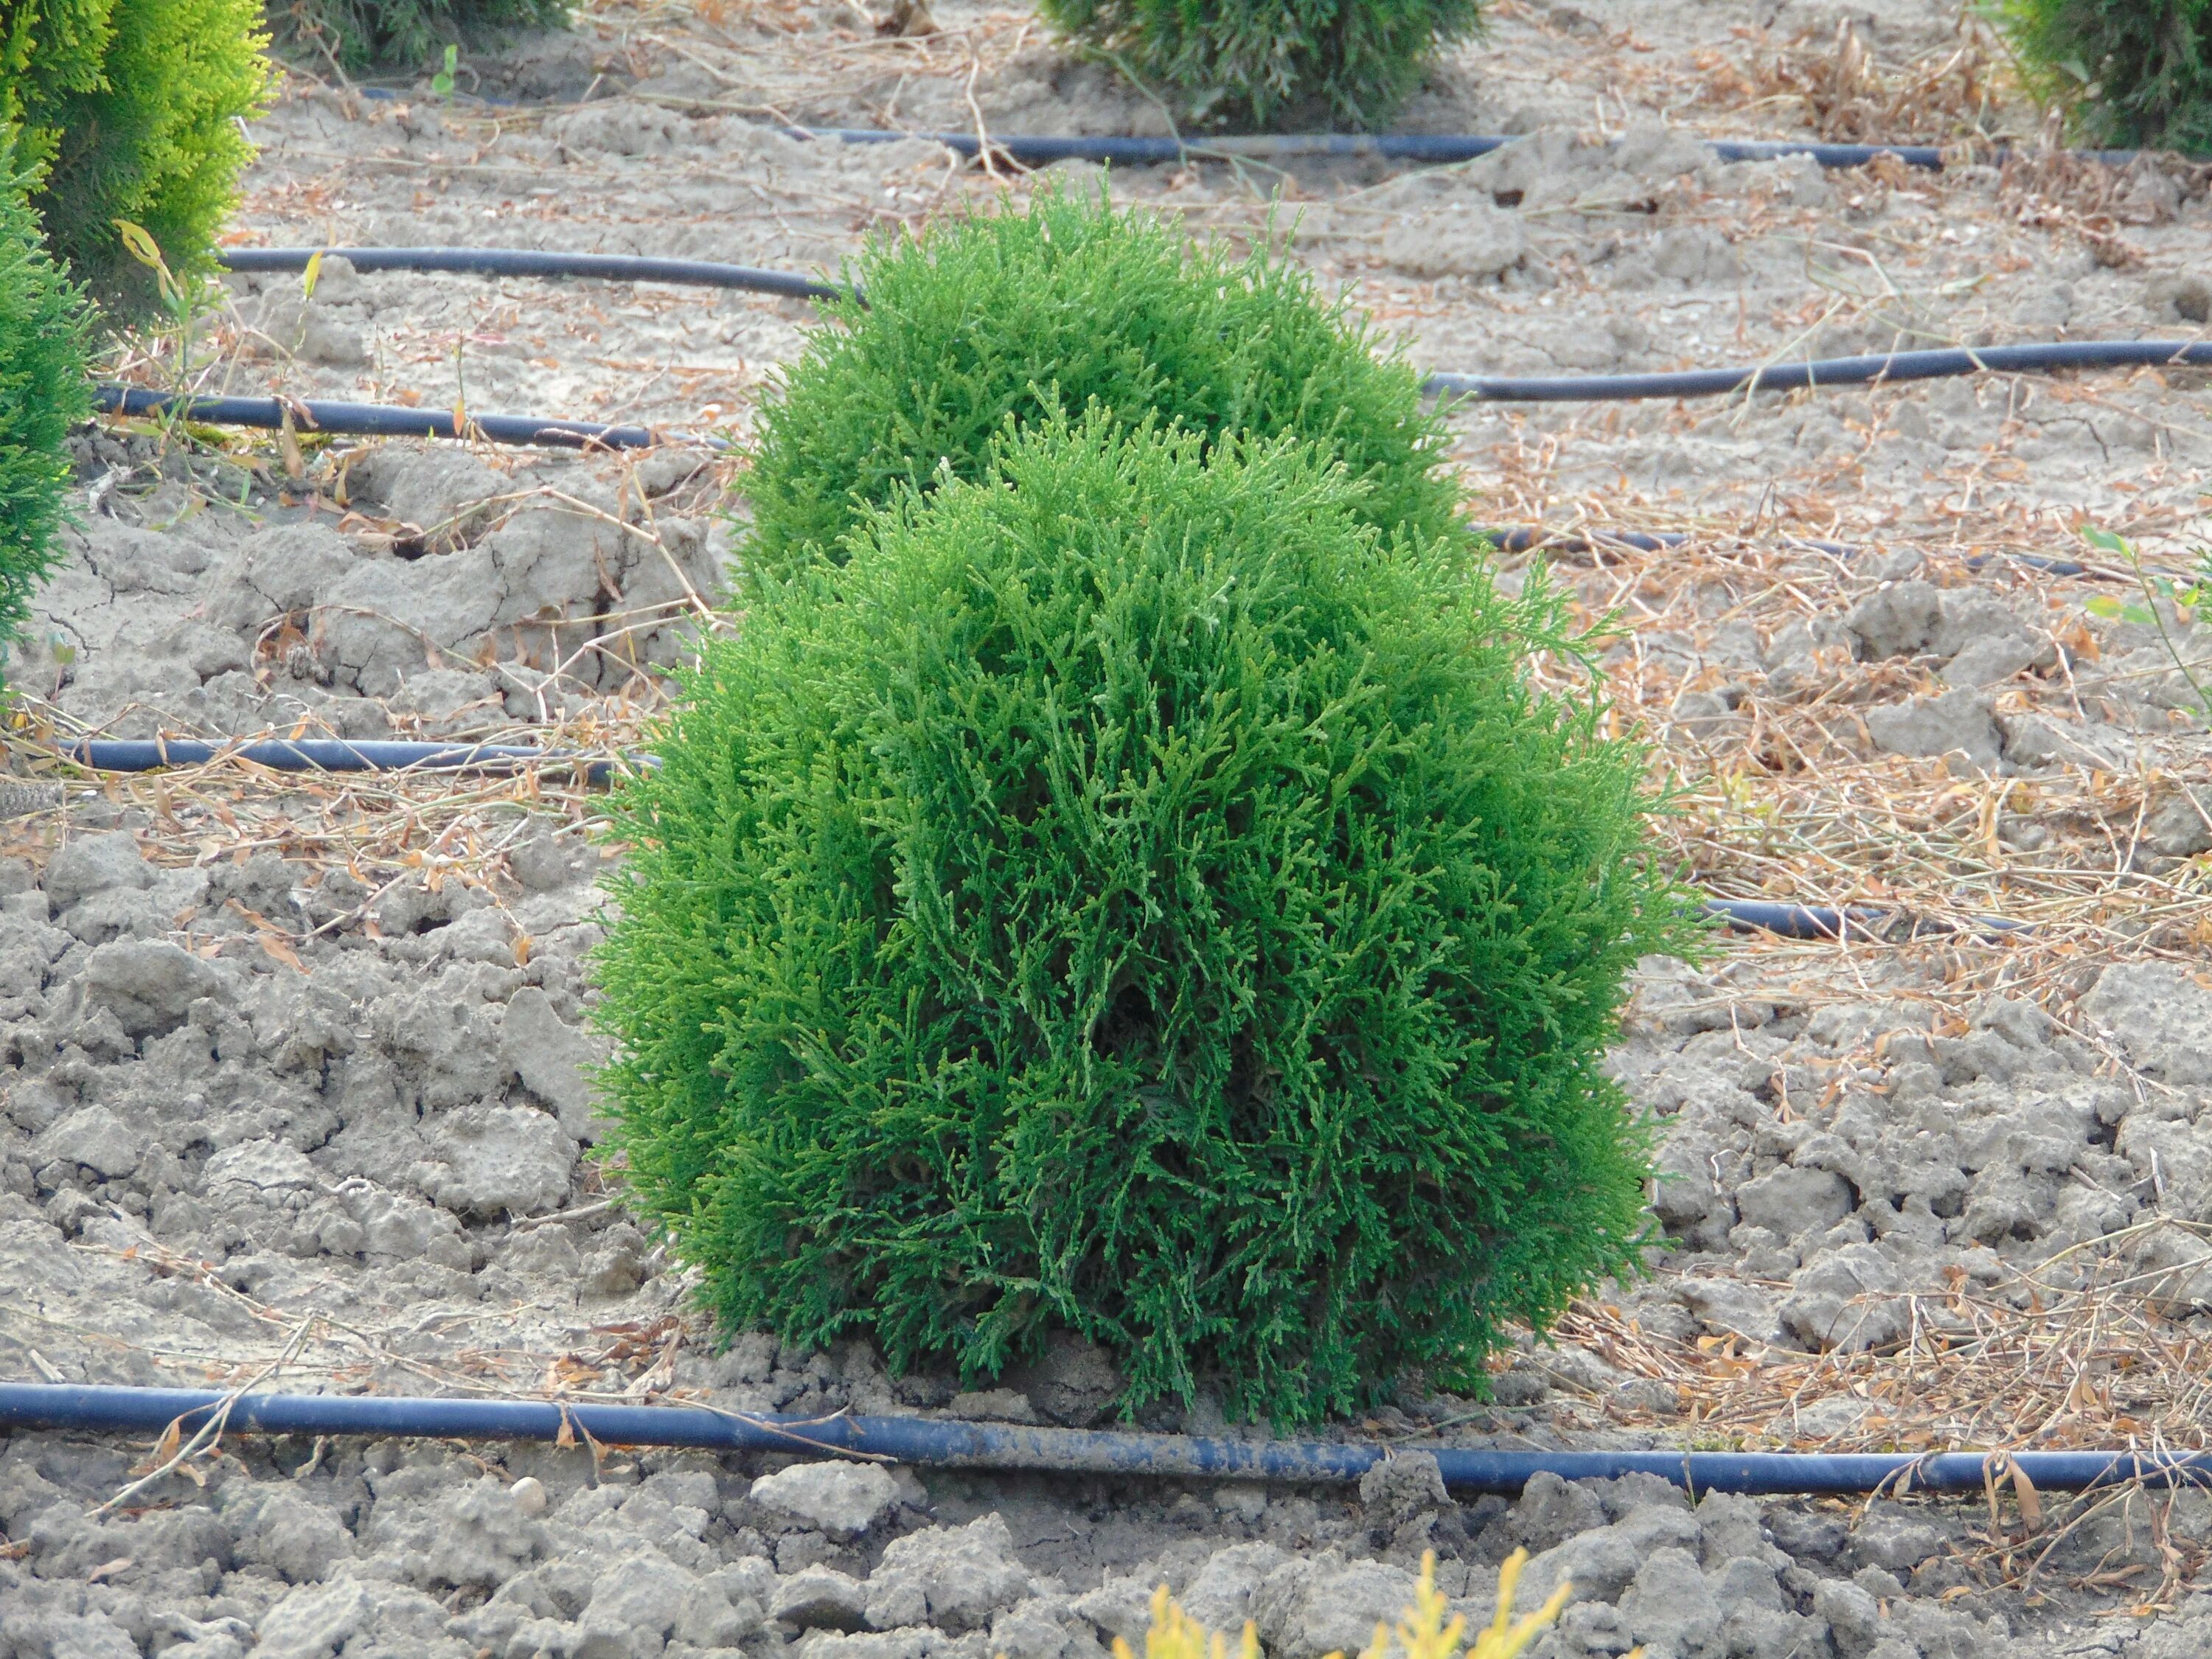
(43, 391)
(2130, 73)
(362, 34)
(1351, 63)
(127, 110)
(1132, 897)
(1068, 302)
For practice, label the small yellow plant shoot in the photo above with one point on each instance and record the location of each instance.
(1423, 1634)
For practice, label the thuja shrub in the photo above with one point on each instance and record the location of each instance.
(128, 111)
(1351, 62)
(1071, 302)
(358, 35)
(2128, 73)
(44, 389)
(1131, 897)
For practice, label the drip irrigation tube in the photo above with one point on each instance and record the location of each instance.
(1888, 367)
(949, 1445)
(394, 421)
(1526, 538)
(1535, 538)
(1039, 150)
(325, 755)
(530, 262)
(384, 419)
(1822, 921)
(1802, 921)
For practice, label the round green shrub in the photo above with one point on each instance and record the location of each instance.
(1131, 898)
(1350, 62)
(44, 389)
(2133, 73)
(367, 33)
(127, 110)
(1011, 315)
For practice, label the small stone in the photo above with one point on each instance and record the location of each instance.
(148, 983)
(954, 1578)
(94, 864)
(634, 1606)
(314, 1623)
(94, 1137)
(844, 1499)
(529, 1495)
(1401, 1487)
(1891, 1538)
(1956, 723)
(820, 1598)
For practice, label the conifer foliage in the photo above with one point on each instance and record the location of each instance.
(127, 110)
(1134, 896)
(1007, 316)
(360, 35)
(43, 390)
(2131, 74)
(1351, 63)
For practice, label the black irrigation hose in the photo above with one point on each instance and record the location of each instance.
(1863, 922)
(327, 755)
(383, 420)
(949, 1443)
(1536, 539)
(1525, 538)
(339, 754)
(530, 262)
(1884, 368)
(1040, 149)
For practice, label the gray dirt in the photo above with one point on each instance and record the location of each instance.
(263, 1114)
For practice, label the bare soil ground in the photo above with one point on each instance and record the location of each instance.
(296, 1085)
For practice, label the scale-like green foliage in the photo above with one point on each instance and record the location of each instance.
(127, 110)
(402, 33)
(1131, 898)
(1071, 302)
(42, 389)
(2133, 73)
(1350, 62)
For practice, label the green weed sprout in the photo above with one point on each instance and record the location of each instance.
(128, 111)
(1350, 62)
(1132, 897)
(2128, 73)
(1072, 301)
(2162, 596)
(43, 391)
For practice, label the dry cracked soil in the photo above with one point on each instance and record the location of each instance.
(297, 1074)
